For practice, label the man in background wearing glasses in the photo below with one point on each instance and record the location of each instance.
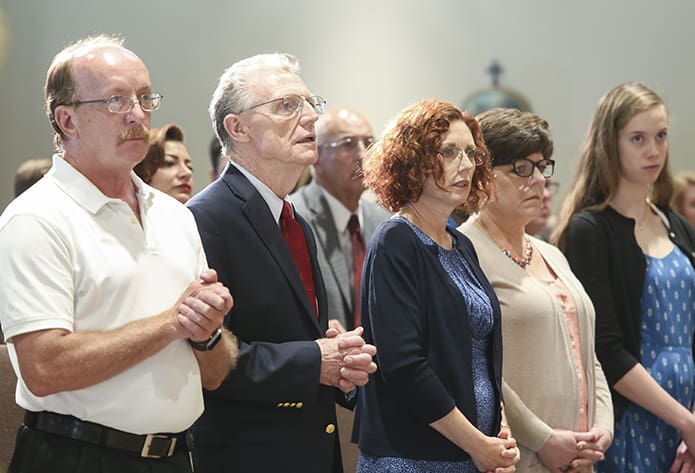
(341, 220)
(112, 317)
(276, 411)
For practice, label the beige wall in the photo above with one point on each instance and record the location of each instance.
(376, 55)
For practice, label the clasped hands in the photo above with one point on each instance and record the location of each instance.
(346, 360)
(567, 451)
(202, 307)
(506, 457)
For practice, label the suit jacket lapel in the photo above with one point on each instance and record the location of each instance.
(259, 217)
(327, 239)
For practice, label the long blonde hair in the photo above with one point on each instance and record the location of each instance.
(598, 171)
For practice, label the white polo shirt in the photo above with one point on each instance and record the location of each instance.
(75, 259)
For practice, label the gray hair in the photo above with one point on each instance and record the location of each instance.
(233, 93)
(61, 87)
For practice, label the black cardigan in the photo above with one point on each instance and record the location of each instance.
(417, 318)
(603, 253)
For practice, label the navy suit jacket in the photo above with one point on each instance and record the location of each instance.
(271, 413)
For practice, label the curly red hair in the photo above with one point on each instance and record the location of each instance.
(397, 165)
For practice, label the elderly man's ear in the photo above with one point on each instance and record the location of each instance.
(236, 128)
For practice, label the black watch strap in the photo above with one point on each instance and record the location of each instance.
(210, 343)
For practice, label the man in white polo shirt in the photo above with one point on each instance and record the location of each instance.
(112, 317)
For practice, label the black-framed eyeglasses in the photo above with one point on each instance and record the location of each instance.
(125, 103)
(524, 167)
(350, 143)
(293, 103)
(452, 154)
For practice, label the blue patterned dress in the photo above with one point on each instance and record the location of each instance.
(480, 308)
(644, 443)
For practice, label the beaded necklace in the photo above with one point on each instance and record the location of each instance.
(528, 248)
(528, 253)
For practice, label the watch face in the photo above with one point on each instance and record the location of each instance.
(210, 343)
(215, 338)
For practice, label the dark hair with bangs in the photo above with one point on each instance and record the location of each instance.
(154, 159)
(511, 134)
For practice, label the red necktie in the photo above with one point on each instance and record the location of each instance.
(294, 236)
(357, 261)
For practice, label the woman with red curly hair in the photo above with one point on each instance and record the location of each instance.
(434, 404)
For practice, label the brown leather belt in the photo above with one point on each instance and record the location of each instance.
(147, 446)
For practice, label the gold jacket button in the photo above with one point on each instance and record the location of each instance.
(330, 428)
(293, 404)
(286, 404)
(299, 405)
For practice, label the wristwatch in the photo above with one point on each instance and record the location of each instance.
(210, 343)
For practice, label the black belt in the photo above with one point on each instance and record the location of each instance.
(148, 446)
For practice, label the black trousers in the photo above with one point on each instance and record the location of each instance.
(40, 452)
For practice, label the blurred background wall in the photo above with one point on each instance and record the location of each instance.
(376, 56)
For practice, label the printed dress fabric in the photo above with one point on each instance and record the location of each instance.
(480, 308)
(644, 443)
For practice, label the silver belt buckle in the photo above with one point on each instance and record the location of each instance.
(145, 453)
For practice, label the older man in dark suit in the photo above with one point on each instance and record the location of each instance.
(276, 411)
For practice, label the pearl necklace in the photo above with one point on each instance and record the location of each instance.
(528, 248)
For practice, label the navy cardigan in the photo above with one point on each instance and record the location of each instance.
(603, 253)
(416, 317)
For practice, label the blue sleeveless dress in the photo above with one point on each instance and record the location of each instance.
(644, 443)
(480, 308)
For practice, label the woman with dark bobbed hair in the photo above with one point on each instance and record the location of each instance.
(167, 165)
(435, 403)
(556, 395)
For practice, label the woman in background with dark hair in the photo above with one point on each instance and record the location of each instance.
(434, 405)
(636, 260)
(167, 165)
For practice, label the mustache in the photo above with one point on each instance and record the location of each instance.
(136, 133)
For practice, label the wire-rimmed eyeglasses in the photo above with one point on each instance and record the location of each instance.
(524, 167)
(350, 143)
(125, 103)
(474, 155)
(293, 103)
